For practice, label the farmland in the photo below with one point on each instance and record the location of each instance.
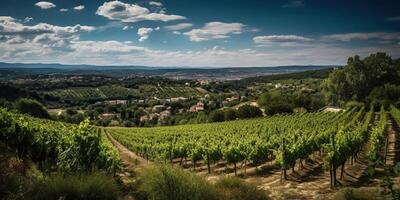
(120, 92)
(301, 144)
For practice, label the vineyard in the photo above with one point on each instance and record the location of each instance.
(103, 92)
(284, 140)
(119, 92)
(168, 91)
(55, 145)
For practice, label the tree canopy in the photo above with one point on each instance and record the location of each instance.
(359, 77)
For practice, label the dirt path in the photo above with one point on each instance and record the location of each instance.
(129, 159)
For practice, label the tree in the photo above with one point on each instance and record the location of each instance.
(278, 107)
(248, 111)
(230, 114)
(217, 116)
(31, 107)
(359, 77)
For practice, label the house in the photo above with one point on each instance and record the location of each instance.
(110, 115)
(158, 108)
(197, 108)
(117, 102)
(177, 99)
(164, 114)
(204, 82)
(144, 118)
(233, 98)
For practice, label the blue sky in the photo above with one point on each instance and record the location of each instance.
(218, 33)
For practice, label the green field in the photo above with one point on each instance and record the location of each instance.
(281, 138)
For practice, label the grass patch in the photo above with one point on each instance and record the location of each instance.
(236, 189)
(164, 182)
(93, 186)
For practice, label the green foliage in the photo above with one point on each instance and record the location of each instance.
(31, 107)
(377, 138)
(230, 114)
(165, 182)
(75, 187)
(217, 116)
(282, 102)
(278, 107)
(235, 189)
(359, 77)
(248, 111)
(69, 147)
(240, 141)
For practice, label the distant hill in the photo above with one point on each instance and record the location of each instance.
(233, 73)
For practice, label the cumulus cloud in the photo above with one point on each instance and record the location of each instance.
(346, 37)
(117, 10)
(155, 3)
(80, 7)
(215, 30)
(293, 4)
(64, 9)
(178, 27)
(125, 53)
(42, 34)
(45, 5)
(10, 26)
(144, 33)
(281, 40)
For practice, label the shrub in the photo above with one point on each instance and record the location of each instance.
(276, 108)
(31, 107)
(94, 186)
(235, 189)
(164, 182)
(230, 114)
(248, 111)
(217, 116)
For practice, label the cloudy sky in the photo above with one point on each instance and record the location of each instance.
(197, 33)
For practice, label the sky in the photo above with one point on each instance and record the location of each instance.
(197, 33)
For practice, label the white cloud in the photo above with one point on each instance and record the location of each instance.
(214, 30)
(144, 33)
(46, 43)
(127, 27)
(346, 37)
(281, 40)
(117, 10)
(155, 3)
(64, 9)
(28, 19)
(176, 32)
(178, 27)
(123, 53)
(42, 34)
(45, 5)
(80, 7)
(293, 4)
(10, 26)
(104, 47)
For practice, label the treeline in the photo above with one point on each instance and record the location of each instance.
(373, 80)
